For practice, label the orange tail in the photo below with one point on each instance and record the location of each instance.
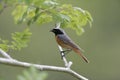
(79, 52)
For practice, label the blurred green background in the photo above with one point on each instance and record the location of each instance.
(101, 44)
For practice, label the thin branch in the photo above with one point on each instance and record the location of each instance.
(67, 64)
(14, 62)
(57, 25)
(5, 54)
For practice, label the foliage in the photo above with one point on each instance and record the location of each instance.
(46, 11)
(42, 12)
(32, 74)
(19, 40)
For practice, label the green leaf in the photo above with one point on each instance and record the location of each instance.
(34, 16)
(38, 3)
(32, 74)
(19, 13)
(61, 18)
(50, 3)
(89, 17)
(28, 1)
(78, 18)
(4, 45)
(20, 39)
(44, 18)
(30, 12)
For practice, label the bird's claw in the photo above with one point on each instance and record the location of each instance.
(62, 54)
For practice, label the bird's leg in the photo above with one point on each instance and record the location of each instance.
(65, 52)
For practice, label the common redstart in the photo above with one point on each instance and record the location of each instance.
(65, 42)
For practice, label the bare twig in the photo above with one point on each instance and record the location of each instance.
(14, 62)
(67, 64)
(57, 25)
(5, 54)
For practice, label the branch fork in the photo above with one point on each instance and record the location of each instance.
(8, 60)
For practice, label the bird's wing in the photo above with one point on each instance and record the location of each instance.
(66, 40)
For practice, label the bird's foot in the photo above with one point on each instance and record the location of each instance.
(62, 53)
(65, 52)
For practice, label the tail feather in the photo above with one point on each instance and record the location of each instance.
(86, 60)
(79, 52)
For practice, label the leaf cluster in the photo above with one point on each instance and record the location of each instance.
(19, 41)
(46, 11)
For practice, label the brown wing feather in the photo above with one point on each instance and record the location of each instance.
(79, 52)
(66, 42)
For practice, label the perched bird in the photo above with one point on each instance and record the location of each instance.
(65, 42)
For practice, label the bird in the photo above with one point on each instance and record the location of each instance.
(66, 42)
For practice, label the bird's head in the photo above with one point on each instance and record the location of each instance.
(57, 31)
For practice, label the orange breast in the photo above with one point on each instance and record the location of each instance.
(62, 43)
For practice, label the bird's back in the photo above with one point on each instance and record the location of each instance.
(64, 41)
